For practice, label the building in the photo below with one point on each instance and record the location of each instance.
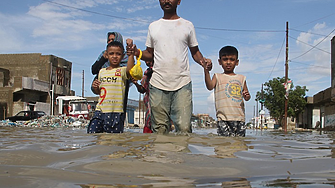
(324, 101)
(202, 120)
(139, 114)
(320, 109)
(32, 82)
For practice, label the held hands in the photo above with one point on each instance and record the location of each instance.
(131, 48)
(206, 64)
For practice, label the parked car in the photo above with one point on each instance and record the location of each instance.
(26, 115)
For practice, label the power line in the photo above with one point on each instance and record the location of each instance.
(98, 13)
(225, 39)
(240, 30)
(307, 32)
(202, 28)
(316, 20)
(314, 46)
(309, 64)
(146, 21)
(310, 45)
(213, 29)
(276, 59)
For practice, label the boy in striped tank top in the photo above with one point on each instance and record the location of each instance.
(111, 83)
(230, 91)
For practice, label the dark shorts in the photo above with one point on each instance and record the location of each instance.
(231, 128)
(106, 122)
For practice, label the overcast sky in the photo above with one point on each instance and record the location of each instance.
(76, 31)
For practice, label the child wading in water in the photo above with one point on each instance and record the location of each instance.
(109, 115)
(230, 90)
(144, 88)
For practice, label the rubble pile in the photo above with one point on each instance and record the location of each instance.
(48, 121)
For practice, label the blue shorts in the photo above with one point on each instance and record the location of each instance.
(231, 128)
(106, 122)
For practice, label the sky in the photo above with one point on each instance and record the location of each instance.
(76, 31)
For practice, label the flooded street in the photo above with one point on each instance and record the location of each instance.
(68, 157)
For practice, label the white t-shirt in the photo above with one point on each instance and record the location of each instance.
(170, 40)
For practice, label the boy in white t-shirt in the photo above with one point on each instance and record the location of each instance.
(230, 90)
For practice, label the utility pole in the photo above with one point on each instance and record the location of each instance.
(262, 112)
(139, 109)
(286, 78)
(254, 123)
(257, 114)
(82, 86)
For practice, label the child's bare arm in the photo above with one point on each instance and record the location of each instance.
(245, 92)
(147, 54)
(210, 83)
(139, 87)
(130, 53)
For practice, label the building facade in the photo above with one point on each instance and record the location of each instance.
(32, 82)
(320, 109)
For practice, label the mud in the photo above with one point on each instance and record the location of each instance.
(68, 157)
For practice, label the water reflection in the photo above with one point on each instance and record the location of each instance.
(271, 145)
(261, 159)
(203, 150)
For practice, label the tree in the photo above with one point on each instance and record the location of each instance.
(273, 98)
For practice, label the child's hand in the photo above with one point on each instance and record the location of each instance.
(208, 64)
(96, 83)
(133, 80)
(246, 95)
(130, 47)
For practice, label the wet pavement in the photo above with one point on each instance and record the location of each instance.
(65, 156)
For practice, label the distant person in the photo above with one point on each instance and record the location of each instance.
(230, 90)
(109, 115)
(144, 88)
(168, 41)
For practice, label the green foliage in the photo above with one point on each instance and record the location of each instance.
(274, 98)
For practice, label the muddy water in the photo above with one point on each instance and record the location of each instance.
(50, 157)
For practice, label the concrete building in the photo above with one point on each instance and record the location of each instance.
(139, 114)
(320, 109)
(324, 101)
(32, 82)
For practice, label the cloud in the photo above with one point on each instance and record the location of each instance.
(314, 63)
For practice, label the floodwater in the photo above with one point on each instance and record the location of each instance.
(68, 157)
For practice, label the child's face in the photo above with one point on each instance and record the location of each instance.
(111, 38)
(149, 63)
(228, 63)
(114, 55)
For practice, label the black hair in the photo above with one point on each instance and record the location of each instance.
(110, 33)
(117, 44)
(228, 50)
